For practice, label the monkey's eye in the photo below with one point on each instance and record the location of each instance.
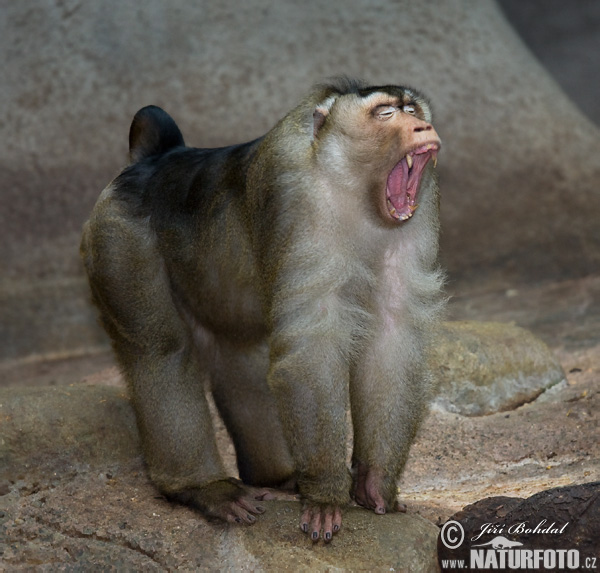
(409, 108)
(385, 111)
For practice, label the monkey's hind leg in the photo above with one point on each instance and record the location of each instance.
(155, 350)
(248, 408)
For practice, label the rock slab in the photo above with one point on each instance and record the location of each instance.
(562, 518)
(487, 367)
(97, 520)
(49, 429)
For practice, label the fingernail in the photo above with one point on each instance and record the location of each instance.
(315, 535)
(328, 536)
(336, 528)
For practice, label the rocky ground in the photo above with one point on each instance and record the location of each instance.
(80, 498)
(554, 440)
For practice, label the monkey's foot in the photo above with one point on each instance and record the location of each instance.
(372, 490)
(317, 517)
(227, 499)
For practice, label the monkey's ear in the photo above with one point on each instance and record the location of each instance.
(320, 115)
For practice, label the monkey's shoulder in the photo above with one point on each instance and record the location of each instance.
(187, 181)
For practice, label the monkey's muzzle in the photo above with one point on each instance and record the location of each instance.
(404, 180)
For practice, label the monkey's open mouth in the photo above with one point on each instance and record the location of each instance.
(404, 179)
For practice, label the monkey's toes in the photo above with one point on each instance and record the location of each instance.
(261, 494)
(317, 519)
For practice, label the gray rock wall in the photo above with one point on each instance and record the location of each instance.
(519, 166)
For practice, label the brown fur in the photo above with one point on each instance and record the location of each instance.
(269, 271)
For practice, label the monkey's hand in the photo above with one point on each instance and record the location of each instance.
(373, 491)
(227, 499)
(318, 517)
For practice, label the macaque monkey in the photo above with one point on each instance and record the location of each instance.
(295, 276)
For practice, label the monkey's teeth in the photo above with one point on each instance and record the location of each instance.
(401, 216)
(434, 161)
(409, 161)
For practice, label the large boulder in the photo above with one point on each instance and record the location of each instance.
(519, 167)
(73, 490)
(502, 532)
(487, 367)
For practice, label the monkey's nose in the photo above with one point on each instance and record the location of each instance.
(426, 127)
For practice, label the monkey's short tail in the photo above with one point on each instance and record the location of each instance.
(153, 132)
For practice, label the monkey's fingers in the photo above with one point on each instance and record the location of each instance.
(401, 507)
(249, 504)
(367, 495)
(333, 523)
(241, 511)
(370, 498)
(377, 504)
(226, 499)
(315, 519)
(315, 526)
(369, 489)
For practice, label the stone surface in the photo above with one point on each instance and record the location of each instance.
(519, 168)
(566, 41)
(114, 522)
(74, 492)
(104, 510)
(50, 318)
(486, 367)
(49, 429)
(564, 518)
(92, 505)
(552, 441)
(457, 460)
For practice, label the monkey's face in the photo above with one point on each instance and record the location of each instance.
(388, 141)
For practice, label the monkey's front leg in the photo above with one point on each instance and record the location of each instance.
(309, 378)
(389, 391)
(178, 438)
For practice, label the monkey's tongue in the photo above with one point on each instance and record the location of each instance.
(403, 186)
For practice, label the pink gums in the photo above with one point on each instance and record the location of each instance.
(403, 183)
